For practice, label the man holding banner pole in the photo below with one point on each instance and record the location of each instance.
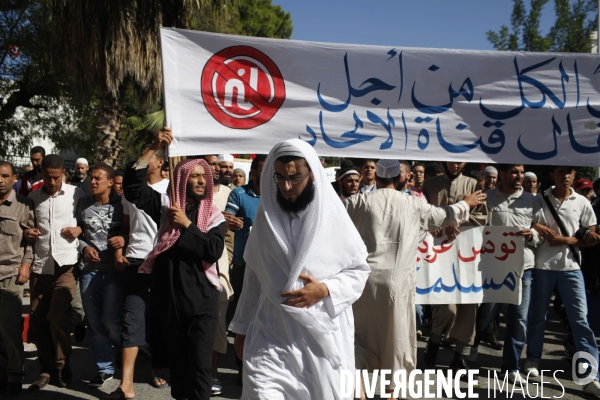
(509, 205)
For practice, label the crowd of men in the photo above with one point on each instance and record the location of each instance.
(312, 277)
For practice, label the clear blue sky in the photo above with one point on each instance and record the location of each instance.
(457, 24)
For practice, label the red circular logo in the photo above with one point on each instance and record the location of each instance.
(241, 87)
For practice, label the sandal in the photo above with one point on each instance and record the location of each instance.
(156, 382)
(118, 391)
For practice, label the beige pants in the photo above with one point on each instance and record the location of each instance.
(457, 321)
(11, 331)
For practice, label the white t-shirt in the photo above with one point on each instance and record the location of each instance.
(142, 229)
(575, 212)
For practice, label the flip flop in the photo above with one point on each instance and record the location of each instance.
(119, 392)
(154, 382)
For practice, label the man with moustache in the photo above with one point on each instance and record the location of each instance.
(510, 205)
(53, 281)
(530, 183)
(349, 182)
(368, 183)
(32, 179)
(404, 182)
(455, 320)
(226, 167)
(82, 178)
(16, 256)
(418, 171)
(490, 177)
(99, 216)
(294, 321)
(185, 292)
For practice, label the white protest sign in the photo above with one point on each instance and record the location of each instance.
(240, 94)
(482, 265)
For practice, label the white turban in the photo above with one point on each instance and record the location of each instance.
(82, 161)
(226, 157)
(490, 171)
(529, 175)
(387, 168)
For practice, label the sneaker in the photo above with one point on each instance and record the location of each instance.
(472, 357)
(592, 388)
(431, 354)
(513, 376)
(217, 388)
(100, 379)
(531, 369)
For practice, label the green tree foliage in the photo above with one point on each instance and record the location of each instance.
(258, 18)
(575, 20)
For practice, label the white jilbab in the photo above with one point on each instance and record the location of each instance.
(389, 222)
(298, 353)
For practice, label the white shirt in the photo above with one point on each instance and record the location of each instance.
(142, 229)
(52, 214)
(575, 212)
(160, 187)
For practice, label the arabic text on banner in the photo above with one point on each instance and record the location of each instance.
(482, 265)
(238, 94)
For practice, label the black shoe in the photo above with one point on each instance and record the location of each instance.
(431, 354)
(13, 388)
(240, 381)
(456, 366)
(492, 342)
(100, 379)
(58, 381)
(40, 383)
(3, 386)
(79, 333)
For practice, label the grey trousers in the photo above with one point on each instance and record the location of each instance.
(11, 331)
(77, 314)
(457, 321)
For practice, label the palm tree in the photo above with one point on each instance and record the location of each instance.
(107, 45)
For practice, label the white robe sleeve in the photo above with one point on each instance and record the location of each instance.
(346, 287)
(246, 308)
(433, 217)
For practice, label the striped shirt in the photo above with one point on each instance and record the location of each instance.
(52, 214)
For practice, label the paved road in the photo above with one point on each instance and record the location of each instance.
(488, 360)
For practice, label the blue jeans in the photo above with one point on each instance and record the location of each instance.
(101, 294)
(516, 324)
(571, 289)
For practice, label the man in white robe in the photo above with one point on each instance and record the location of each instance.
(389, 222)
(305, 266)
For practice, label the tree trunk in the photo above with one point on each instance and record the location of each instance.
(108, 122)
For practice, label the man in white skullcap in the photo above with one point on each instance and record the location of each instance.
(82, 178)
(530, 183)
(294, 319)
(226, 166)
(389, 222)
(490, 176)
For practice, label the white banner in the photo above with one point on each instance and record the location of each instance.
(482, 265)
(238, 94)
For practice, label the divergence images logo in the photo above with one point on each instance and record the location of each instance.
(241, 87)
(579, 369)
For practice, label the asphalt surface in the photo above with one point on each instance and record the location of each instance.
(489, 360)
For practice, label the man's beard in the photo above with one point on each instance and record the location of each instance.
(225, 180)
(346, 193)
(189, 191)
(452, 176)
(302, 201)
